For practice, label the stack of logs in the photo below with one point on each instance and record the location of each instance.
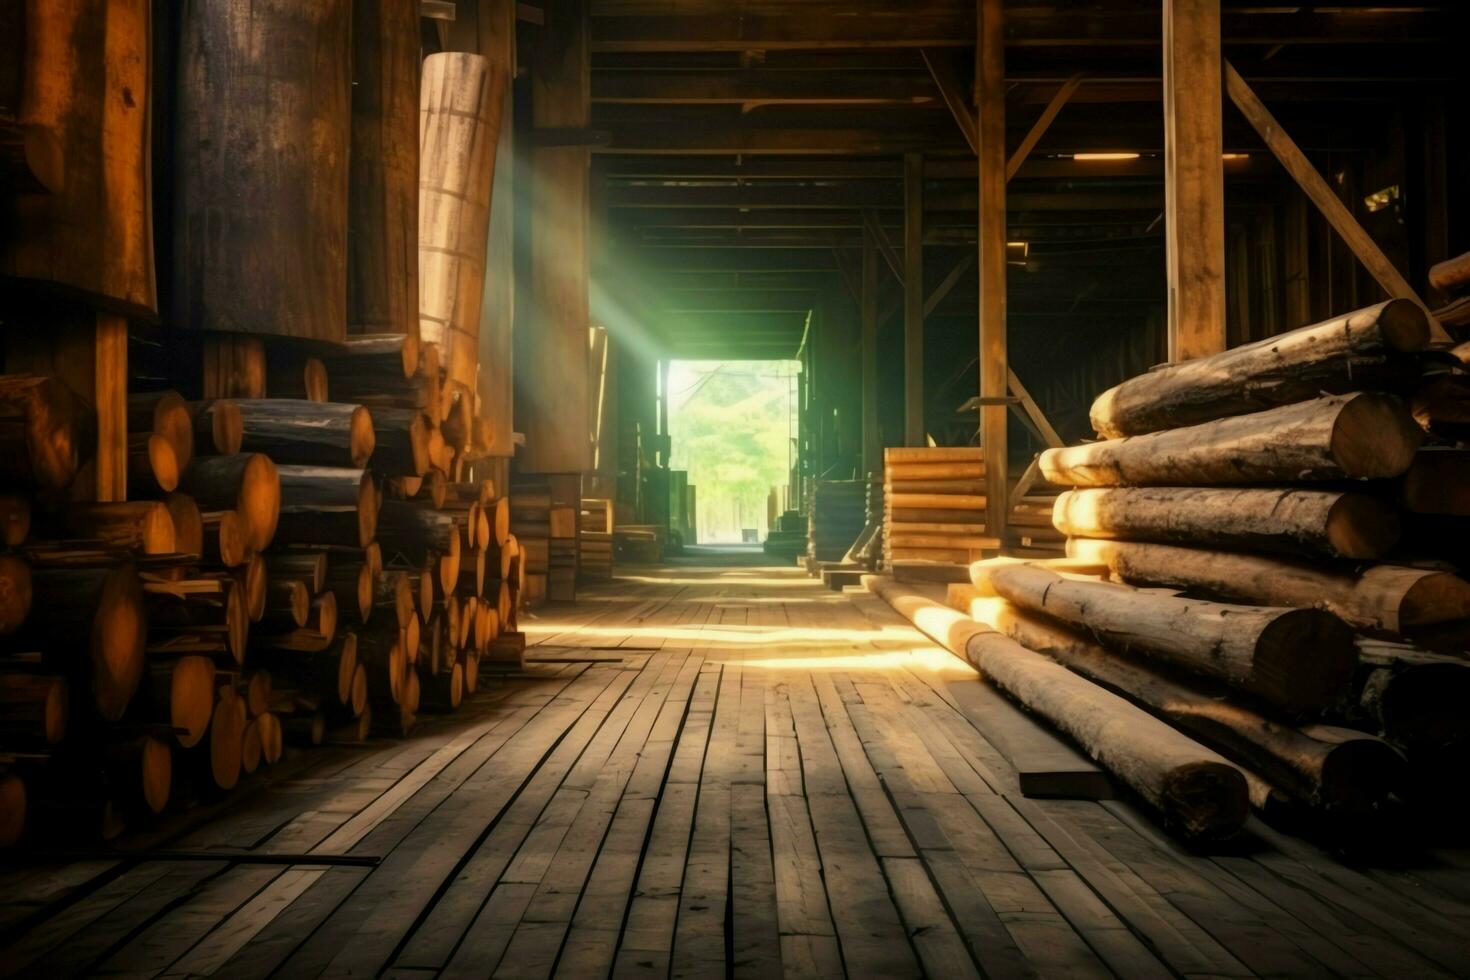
(836, 514)
(1284, 542)
(286, 570)
(595, 542)
(934, 505)
(1029, 533)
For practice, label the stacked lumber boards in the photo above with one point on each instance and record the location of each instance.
(595, 539)
(546, 527)
(934, 505)
(1264, 554)
(641, 544)
(788, 538)
(1030, 532)
(836, 514)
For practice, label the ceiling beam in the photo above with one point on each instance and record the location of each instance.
(763, 87)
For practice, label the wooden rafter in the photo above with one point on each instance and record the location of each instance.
(1043, 123)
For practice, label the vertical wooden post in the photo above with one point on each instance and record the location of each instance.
(913, 299)
(1194, 178)
(994, 363)
(1295, 236)
(872, 438)
(110, 395)
(551, 356)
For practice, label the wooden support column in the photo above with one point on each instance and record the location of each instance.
(990, 103)
(913, 299)
(551, 359)
(872, 437)
(1194, 178)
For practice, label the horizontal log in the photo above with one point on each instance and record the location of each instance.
(1449, 275)
(947, 487)
(164, 414)
(1200, 795)
(1357, 436)
(1328, 523)
(1297, 659)
(16, 593)
(326, 505)
(296, 431)
(929, 515)
(15, 518)
(934, 471)
(139, 527)
(206, 616)
(402, 442)
(1355, 352)
(1416, 698)
(33, 710)
(219, 428)
(1318, 765)
(310, 567)
(902, 541)
(941, 501)
(247, 483)
(1385, 598)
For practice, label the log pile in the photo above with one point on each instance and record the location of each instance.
(1264, 553)
(595, 539)
(1452, 279)
(934, 505)
(836, 515)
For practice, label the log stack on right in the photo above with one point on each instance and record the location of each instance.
(1305, 490)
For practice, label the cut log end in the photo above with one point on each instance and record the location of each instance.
(188, 523)
(15, 593)
(157, 774)
(346, 668)
(227, 742)
(362, 440)
(1205, 801)
(1374, 437)
(1304, 659)
(13, 806)
(1359, 773)
(1360, 526)
(163, 462)
(226, 426)
(191, 698)
(259, 503)
(119, 639)
(1405, 325)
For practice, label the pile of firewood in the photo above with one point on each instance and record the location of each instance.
(934, 505)
(1265, 552)
(286, 570)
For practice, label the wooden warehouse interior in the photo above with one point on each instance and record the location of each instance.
(359, 612)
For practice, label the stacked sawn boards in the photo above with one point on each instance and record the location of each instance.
(836, 512)
(1292, 547)
(934, 505)
(595, 540)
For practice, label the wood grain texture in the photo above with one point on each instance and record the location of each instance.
(85, 80)
(383, 179)
(262, 143)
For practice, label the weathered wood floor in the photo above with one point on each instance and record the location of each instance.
(717, 771)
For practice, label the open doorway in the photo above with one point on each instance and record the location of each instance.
(733, 429)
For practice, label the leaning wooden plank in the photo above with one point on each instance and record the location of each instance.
(1315, 764)
(1318, 522)
(1362, 435)
(1357, 351)
(1387, 598)
(1299, 659)
(1200, 795)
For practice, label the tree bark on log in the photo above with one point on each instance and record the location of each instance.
(322, 505)
(207, 616)
(1341, 437)
(46, 432)
(310, 567)
(934, 471)
(1201, 796)
(1450, 274)
(402, 442)
(263, 114)
(422, 535)
(1298, 659)
(1319, 765)
(383, 182)
(355, 584)
(219, 428)
(306, 433)
(1380, 598)
(1328, 523)
(136, 527)
(1360, 350)
(247, 483)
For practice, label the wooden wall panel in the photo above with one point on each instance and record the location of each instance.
(84, 80)
(383, 176)
(261, 147)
